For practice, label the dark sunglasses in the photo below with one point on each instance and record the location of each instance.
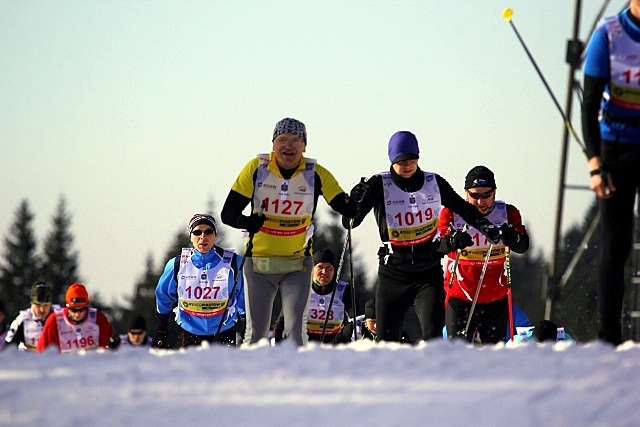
(208, 232)
(477, 196)
(78, 310)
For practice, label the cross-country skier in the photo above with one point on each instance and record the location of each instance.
(612, 92)
(26, 328)
(339, 327)
(288, 186)
(76, 326)
(406, 203)
(491, 315)
(200, 282)
(136, 335)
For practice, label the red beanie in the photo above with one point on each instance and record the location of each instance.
(77, 296)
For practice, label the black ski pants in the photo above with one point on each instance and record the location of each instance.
(400, 287)
(491, 319)
(616, 226)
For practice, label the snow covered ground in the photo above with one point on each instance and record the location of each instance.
(361, 384)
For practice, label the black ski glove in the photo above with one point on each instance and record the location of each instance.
(460, 239)
(359, 191)
(347, 332)
(160, 339)
(114, 342)
(351, 207)
(510, 237)
(489, 230)
(253, 222)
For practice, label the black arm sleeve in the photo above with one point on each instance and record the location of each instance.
(344, 205)
(231, 213)
(162, 321)
(593, 89)
(453, 201)
(374, 193)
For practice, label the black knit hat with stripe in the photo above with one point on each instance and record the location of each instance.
(199, 219)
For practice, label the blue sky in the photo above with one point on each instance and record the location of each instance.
(140, 112)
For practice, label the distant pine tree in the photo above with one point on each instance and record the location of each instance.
(19, 269)
(60, 266)
(143, 302)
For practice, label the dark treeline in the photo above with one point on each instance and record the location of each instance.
(21, 265)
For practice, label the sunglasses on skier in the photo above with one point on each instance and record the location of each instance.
(476, 196)
(208, 232)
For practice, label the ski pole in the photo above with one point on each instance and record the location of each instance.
(507, 14)
(347, 242)
(455, 263)
(475, 297)
(335, 287)
(353, 284)
(363, 181)
(247, 249)
(509, 295)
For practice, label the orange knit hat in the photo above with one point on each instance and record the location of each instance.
(77, 296)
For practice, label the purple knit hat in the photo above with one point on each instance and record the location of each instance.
(403, 145)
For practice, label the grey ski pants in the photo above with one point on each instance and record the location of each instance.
(259, 293)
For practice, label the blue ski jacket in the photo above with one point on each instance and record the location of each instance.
(167, 295)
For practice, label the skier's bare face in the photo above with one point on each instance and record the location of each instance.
(406, 168)
(288, 150)
(40, 311)
(136, 336)
(323, 273)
